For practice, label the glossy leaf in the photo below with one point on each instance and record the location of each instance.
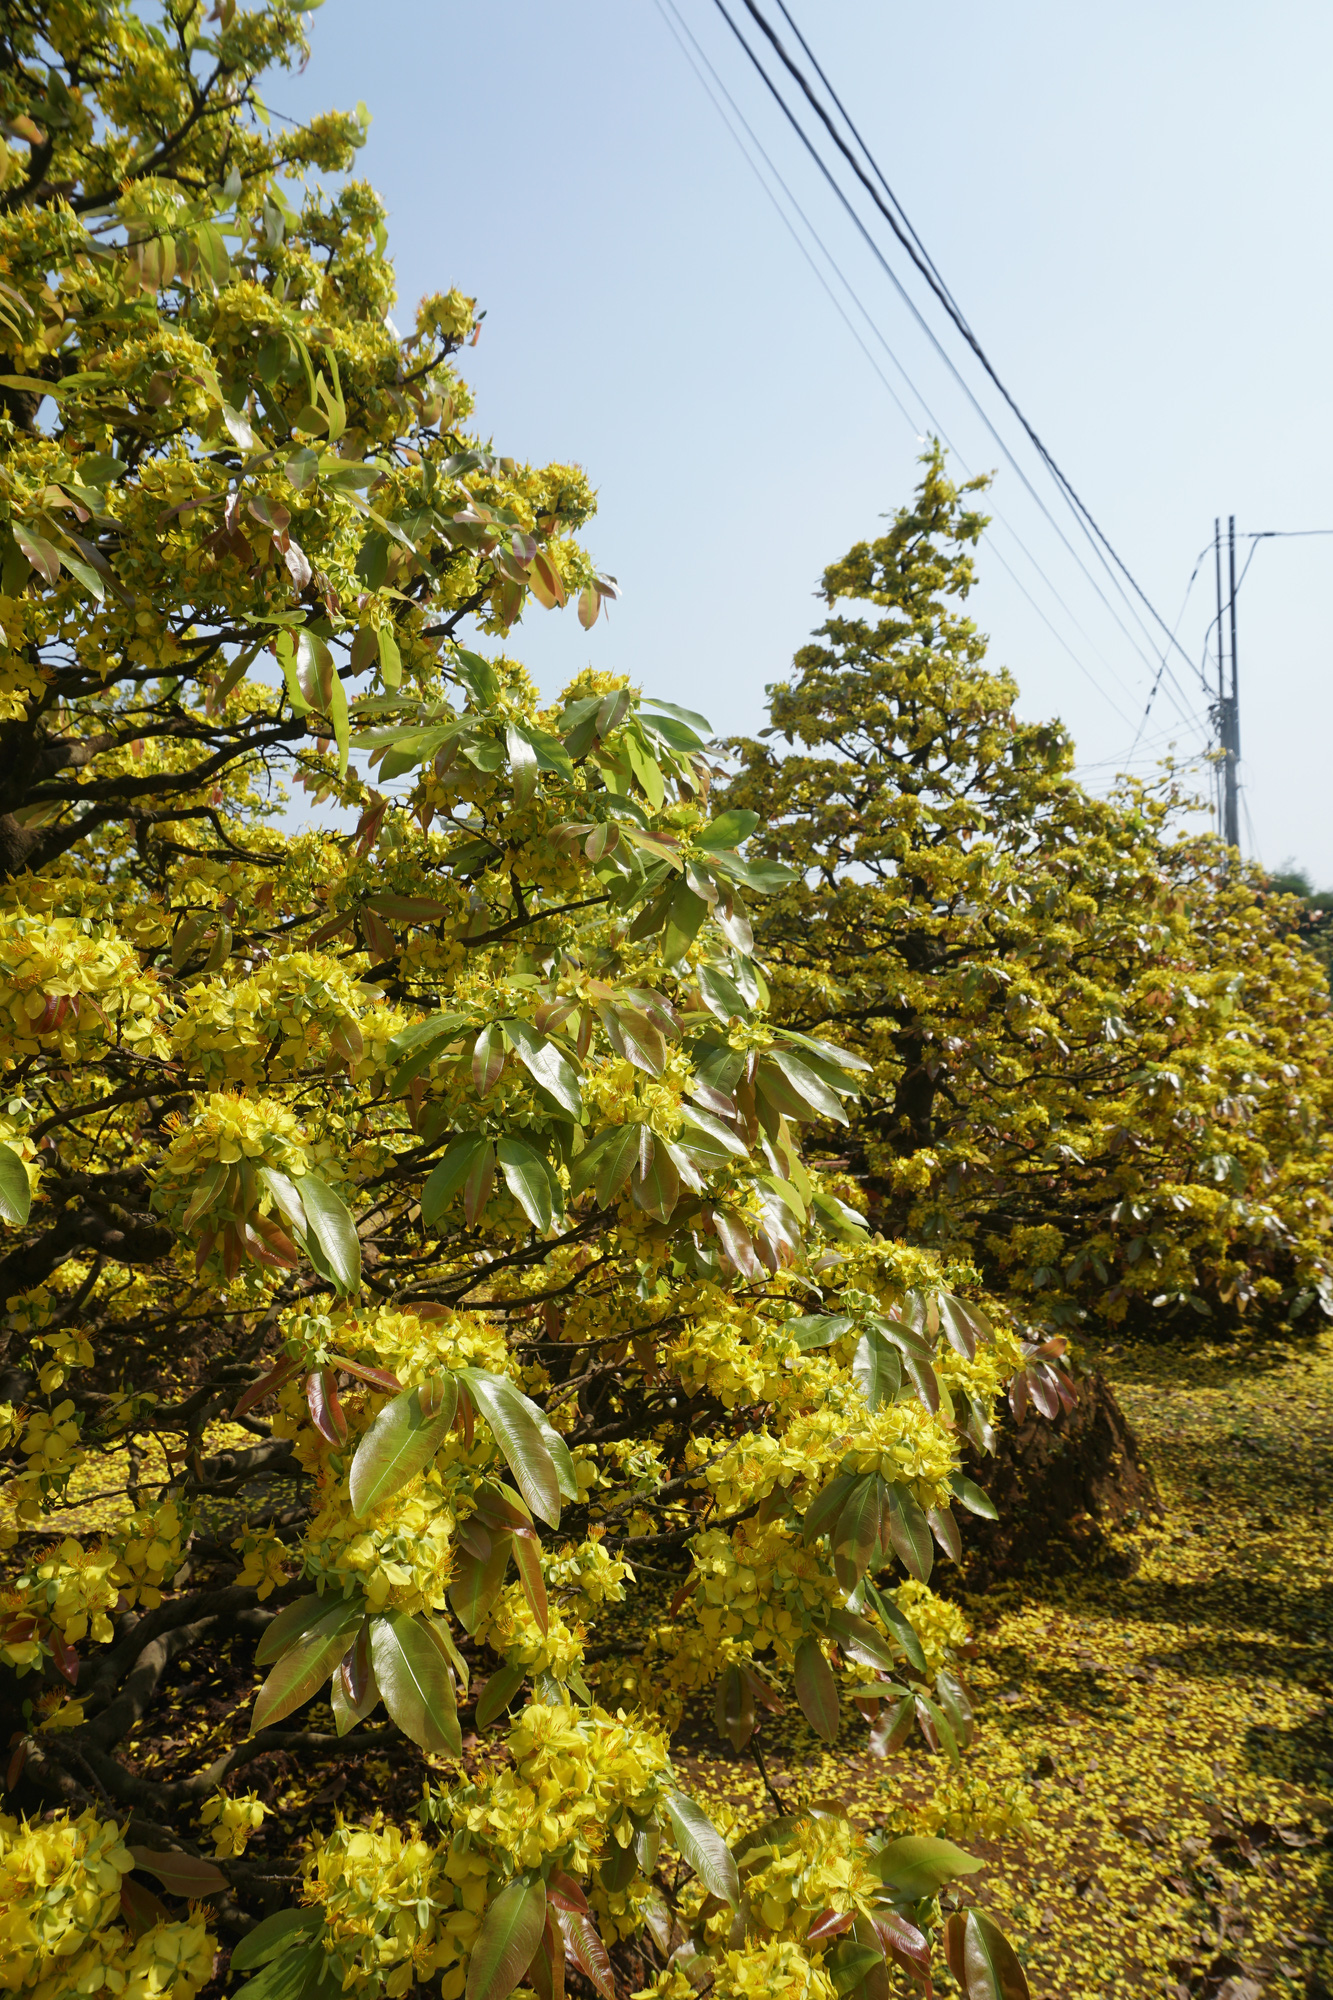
(510, 1932)
(860, 1641)
(877, 1369)
(703, 1847)
(305, 1666)
(274, 1935)
(899, 1625)
(982, 1959)
(330, 1222)
(547, 1066)
(583, 1944)
(444, 1180)
(15, 1194)
(816, 1689)
(733, 1708)
(287, 1626)
(304, 1973)
(526, 1178)
(527, 1561)
(353, 1691)
(414, 1682)
(403, 1439)
(909, 1531)
(495, 1697)
(516, 1432)
(181, 1874)
(921, 1865)
(477, 1581)
(326, 1410)
(968, 1494)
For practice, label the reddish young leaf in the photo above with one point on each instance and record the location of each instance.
(326, 1412)
(816, 1689)
(583, 1944)
(527, 1560)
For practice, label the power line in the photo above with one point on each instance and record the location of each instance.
(947, 359)
(909, 240)
(1157, 681)
(680, 28)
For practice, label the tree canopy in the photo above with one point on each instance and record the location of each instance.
(1101, 1059)
(418, 1306)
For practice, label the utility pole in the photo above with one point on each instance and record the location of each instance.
(1231, 741)
(1227, 710)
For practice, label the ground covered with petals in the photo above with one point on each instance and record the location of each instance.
(1154, 1762)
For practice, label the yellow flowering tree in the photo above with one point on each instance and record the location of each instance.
(411, 1275)
(1101, 1061)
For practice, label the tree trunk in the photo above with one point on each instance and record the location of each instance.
(1059, 1484)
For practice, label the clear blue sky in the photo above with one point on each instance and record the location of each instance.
(1131, 205)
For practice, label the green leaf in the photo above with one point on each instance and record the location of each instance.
(391, 658)
(414, 1682)
(810, 1088)
(528, 1562)
(689, 716)
(899, 1624)
(510, 1932)
(332, 1227)
(526, 1178)
(15, 1193)
(909, 1532)
(707, 1136)
(497, 1694)
(512, 1420)
(181, 1874)
(827, 1505)
(267, 1939)
(448, 1177)
(721, 995)
(85, 574)
(685, 913)
(403, 1439)
(849, 1963)
(860, 1522)
(877, 1370)
(982, 1959)
(817, 1329)
(816, 1689)
(352, 1691)
(616, 1164)
(977, 1501)
(729, 829)
(703, 1847)
(561, 1456)
(522, 762)
(337, 711)
(488, 1058)
(476, 1582)
(304, 1974)
(583, 1942)
(546, 1065)
(435, 1028)
(920, 1865)
(287, 661)
(860, 1641)
(289, 1624)
(305, 1666)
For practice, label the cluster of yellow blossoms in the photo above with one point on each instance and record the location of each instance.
(59, 1904)
(66, 983)
(232, 1821)
(301, 1010)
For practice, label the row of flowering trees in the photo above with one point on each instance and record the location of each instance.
(416, 1267)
